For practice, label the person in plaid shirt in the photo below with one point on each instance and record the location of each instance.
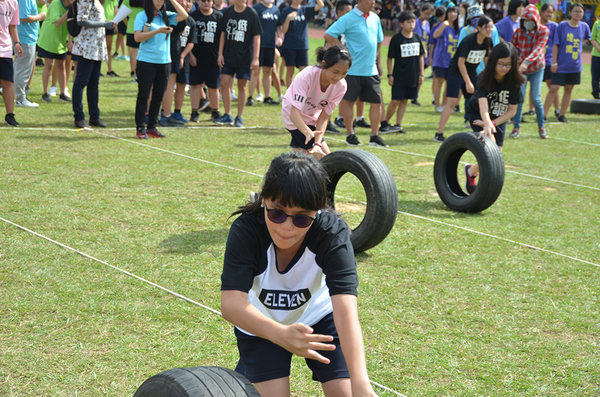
(530, 41)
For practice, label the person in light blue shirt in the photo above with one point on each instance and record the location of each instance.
(28, 31)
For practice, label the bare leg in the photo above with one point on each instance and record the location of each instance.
(274, 388)
(46, 74)
(446, 114)
(337, 388)
(8, 94)
(375, 117)
(566, 99)
(347, 113)
(241, 94)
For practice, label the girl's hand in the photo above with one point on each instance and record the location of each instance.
(391, 80)
(470, 87)
(317, 152)
(311, 134)
(299, 339)
(522, 67)
(193, 61)
(164, 29)
(292, 15)
(554, 68)
(221, 60)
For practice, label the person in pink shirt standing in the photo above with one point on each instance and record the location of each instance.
(312, 97)
(9, 19)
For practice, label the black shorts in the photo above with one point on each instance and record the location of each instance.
(175, 66)
(566, 78)
(367, 88)
(298, 139)
(240, 73)
(6, 69)
(110, 32)
(122, 28)
(402, 93)
(47, 54)
(211, 76)
(131, 41)
(500, 129)
(295, 57)
(440, 72)
(547, 73)
(267, 57)
(262, 360)
(183, 77)
(455, 84)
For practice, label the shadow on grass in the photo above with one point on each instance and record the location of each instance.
(432, 209)
(192, 242)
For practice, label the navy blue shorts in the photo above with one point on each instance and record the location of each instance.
(500, 129)
(211, 76)
(6, 69)
(183, 77)
(566, 78)
(47, 54)
(547, 73)
(298, 139)
(455, 84)
(402, 93)
(175, 66)
(110, 32)
(240, 73)
(267, 57)
(131, 41)
(122, 28)
(262, 360)
(440, 72)
(295, 57)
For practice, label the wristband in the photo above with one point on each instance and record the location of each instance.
(494, 122)
(17, 43)
(555, 64)
(390, 75)
(317, 144)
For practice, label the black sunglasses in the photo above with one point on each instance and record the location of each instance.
(278, 216)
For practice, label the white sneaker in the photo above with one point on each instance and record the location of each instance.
(67, 91)
(281, 98)
(53, 91)
(439, 109)
(260, 97)
(26, 103)
(233, 96)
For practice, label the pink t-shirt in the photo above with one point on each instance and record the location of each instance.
(305, 94)
(9, 15)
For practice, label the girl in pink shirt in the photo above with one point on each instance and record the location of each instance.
(9, 19)
(314, 89)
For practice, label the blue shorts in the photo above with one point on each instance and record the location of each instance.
(183, 77)
(298, 139)
(500, 129)
(566, 78)
(47, 54)
(122, 28)
(262, 360)
(240, 73)
(175, 66)
(267, 57)
(547, 73)
(455, 84)
(402, 93)
(211, 76)
(295, 57)
(6, 69)
(440, 72)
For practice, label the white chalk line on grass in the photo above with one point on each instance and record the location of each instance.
(580, 142)
(144, 280)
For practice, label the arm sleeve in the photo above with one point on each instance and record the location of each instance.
(242, 258)
(539, 50)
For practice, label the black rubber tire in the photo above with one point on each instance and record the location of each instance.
(380, 190)
(491, 172)
(197, 382)
(585, 106)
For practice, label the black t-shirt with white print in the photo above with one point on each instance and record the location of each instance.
(498, 100)
(206, 49)
(473, 53)
(406, 54)
(323, 266)
(240, 29)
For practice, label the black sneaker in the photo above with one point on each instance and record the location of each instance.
(377, 141)
(132, 74)
(207, 110)
(386, 128)
(361, 123)
(529, 113)
(563, 119)
(330, 128)
(270, 101)
(64, 98)
(194, 117)
(415, 102)
(339, 121)
(39, 62)
(400, 129)
(556, 113)
(456, 109)
(352, 140)
(46, 98)
(215, 115)
(10, 120)
(250, 101)
(203, 104)
(438, 138)
(112, 74)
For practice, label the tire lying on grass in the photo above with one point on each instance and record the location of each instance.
(380, 189)
(197, 382)
(446, 170)
(585, 106)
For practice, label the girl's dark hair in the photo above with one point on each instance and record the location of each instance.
(577, 5)
(455, 24)
(546, 6)
(484, 20)
(440, 11)
(149, 10)
(293, 180)
(332, 55)
(426, 6)
(513, 5)
(514, 77)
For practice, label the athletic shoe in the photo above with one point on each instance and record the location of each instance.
(178, 116)
(46, 98)
(250, 101)
(439, 109)
(400, 129)
(154, 133)
(377, 141)
(239, 123)
(120, 57)
(26, 103)
(456, 109)
(438, 138)
(224, 120)
(203, 104)
(214, 115)
(514, 133)
(132, 74)
(82, 124)
(116, 54)
(39, 62)
(53, 91)
(339, 121)
(386, 128)
(64, 98)
(10, 120)
(467, 124)
(207, 110)
(415, 102)
(529, 113)
(330, 127)
(352, 140)
(112, 74)
(361, 122)
(98, 123)
(563, 119)
(233, 96)
(67, 92)
(194, 117)
(471, 183)
(543, 133)
(27, 90)
(280, 99)
(254, 196)
(170, 121)
(556, 113)
(270, 101)
(260, 97)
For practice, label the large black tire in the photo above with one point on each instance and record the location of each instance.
(491, 172)
(380, 190)
(585, 106)
(197, 382)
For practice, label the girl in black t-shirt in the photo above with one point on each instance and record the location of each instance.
(288, 272)
(462, 72)
(495, 101)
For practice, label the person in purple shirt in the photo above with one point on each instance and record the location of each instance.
(439, 76)
(568, 41)
(546, 13)
(507, 26)
(423, 29)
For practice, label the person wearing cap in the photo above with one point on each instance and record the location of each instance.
(473, 14)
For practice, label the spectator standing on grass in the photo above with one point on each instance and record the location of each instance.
(569, 38)
(28, 31)
(446, 40)
(152, 30)
(364, 35)
(439, 76)
(546, 13)
(423, 29)
(9, 40)
(204, 68)
(596, 60)
(508, 25)
(136, 6)
(239, 48)
(110, 9)
(530, 41)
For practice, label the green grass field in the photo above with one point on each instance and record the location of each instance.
(501, 303)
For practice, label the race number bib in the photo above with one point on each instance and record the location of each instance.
(476, 56)
(409, 50)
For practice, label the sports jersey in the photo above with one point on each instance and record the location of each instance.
(570, 44)
(423, 29)
(305, 94)
(445, 47)
(596, 36)
(507, 27)
(406, 54)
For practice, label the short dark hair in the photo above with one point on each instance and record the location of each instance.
(332, 55)
(340, 5)
(440, 11)
(514, 4)
(405, 16)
